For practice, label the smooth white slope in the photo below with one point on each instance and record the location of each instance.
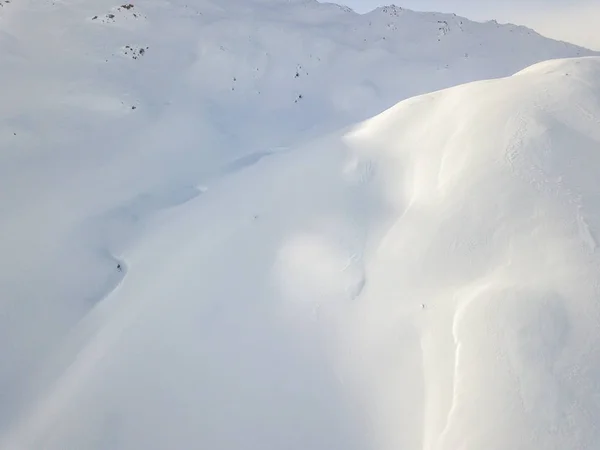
(428, 280)
(81, 171)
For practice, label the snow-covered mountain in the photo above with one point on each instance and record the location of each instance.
(292, 64)
(188, 261)
(425, 280)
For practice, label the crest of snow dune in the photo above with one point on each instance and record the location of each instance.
(495, 238)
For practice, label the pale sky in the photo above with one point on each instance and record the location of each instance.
(576, 21)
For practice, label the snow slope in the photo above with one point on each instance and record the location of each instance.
(426, 280)
(252, 295)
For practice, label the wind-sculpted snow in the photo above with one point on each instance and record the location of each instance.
(192, 256)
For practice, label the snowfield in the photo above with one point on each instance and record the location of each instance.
(212, 238)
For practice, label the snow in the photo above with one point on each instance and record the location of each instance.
(209, 244)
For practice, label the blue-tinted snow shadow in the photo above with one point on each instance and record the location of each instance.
(214, 362)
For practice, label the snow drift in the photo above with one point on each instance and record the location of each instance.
(427, 280)
(180, 271)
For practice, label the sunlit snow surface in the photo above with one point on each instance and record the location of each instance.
(195, 256)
